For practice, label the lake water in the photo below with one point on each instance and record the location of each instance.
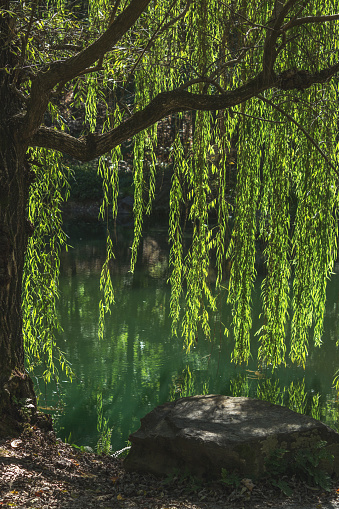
(139, 364)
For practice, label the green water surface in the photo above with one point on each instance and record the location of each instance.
(139, 364)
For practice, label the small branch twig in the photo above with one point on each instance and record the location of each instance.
(19, 93)
(159, 30)
(125, 108)
(262, 119)
(24, 43)
(202, 80)
(114, 11)
(67, 47)
(308, 136)
(97, 67)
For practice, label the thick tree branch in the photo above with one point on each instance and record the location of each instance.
(298, 79)
(270, 52)
(63, 71)
(309, 19)
(166, 103)
(68, 69)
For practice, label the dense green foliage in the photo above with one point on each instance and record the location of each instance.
(280, 140)
(85, 184)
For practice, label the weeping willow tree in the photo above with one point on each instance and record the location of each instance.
(254, 86)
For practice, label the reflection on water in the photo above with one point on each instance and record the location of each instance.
(139, 365)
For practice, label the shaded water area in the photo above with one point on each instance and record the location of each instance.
(139, 364)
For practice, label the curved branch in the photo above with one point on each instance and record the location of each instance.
(63, 71)
(164, 104)
(270, 53)
(68, 69)
(309, 19)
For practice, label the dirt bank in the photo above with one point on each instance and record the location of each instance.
(38, 471)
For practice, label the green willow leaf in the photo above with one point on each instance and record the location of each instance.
(252, 189)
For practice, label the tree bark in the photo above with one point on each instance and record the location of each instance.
(91, 146)
(16, 388)
(15, 385)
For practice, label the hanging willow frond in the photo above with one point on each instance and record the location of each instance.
(251, 84)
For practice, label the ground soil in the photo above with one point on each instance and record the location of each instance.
(39, 471)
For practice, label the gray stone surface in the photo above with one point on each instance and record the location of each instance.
(203, 434)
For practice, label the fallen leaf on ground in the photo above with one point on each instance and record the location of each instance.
(16, 443)
(84, 474)
(248, 483)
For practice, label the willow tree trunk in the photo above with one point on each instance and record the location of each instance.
(16, 388)
(15, 385)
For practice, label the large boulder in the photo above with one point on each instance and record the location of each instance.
(204, 434)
